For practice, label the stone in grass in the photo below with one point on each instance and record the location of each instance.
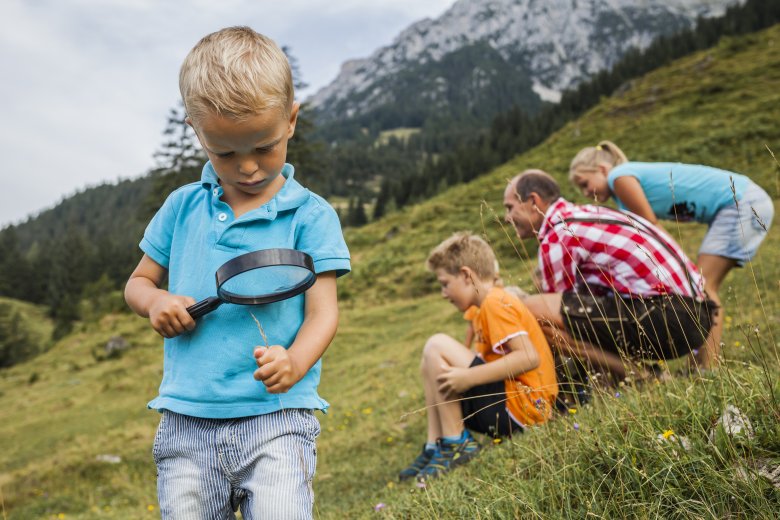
(759, 468)
(675, 440)
(732, 423)
(115, 345)
(109, 459)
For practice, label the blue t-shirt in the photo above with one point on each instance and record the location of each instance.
(682, 192)
(208, 372)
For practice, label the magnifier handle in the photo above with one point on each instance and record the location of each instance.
(203, 307)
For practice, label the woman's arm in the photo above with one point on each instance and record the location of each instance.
(630, 193)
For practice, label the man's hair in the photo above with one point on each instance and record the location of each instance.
(464, 250)
(236, 72)
(536, 181)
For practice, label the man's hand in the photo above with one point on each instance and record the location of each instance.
(276, 369)
(168, 314)
(453, 381)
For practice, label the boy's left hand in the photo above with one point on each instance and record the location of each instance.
(453, 381)
(276, 370)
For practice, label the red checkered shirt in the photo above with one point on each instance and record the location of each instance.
(629, 255)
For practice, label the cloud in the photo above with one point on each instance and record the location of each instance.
(88, 83)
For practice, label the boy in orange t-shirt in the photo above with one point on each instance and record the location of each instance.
(507, 385)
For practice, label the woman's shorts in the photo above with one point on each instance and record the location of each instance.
(653, 328)
(738, 230)
(484, 408)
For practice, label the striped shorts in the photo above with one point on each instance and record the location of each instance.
(210, 468)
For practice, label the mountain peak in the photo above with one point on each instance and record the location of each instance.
(556, 43)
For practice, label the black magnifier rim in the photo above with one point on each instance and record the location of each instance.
(257, 260)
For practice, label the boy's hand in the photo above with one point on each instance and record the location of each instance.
(453, 381)
(276, 370)
(168, 315)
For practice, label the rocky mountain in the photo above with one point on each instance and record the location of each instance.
(549, 44)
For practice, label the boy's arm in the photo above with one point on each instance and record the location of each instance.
(469, 335)
(280, 368)
(166, 312)
(522, 358)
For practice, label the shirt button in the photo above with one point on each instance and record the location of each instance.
(216, 191)
(222, 217)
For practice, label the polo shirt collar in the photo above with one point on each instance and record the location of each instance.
(559, 206)
(291, 196)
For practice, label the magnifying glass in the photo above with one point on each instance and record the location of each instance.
(265, 276)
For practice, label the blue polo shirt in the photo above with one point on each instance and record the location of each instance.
(208, 372)
(682, 192)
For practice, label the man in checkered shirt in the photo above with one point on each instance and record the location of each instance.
(617, 289)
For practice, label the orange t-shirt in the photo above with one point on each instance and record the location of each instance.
(501, 317)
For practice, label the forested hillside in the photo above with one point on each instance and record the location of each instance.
(89, 241)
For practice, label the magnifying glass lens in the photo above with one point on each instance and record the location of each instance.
(269, 280)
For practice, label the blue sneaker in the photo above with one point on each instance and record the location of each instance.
(450, 454)
(413, 469)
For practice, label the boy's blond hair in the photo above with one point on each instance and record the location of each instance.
(589, 158)
(236, 72)
(464, 250)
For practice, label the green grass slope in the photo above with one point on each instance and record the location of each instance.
(77, 437)
(25, 331)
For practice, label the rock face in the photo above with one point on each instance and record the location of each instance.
(553, 43)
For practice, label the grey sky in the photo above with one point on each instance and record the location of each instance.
(88, 83)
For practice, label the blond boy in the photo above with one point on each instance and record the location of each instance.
(237, 428)
(507, 384)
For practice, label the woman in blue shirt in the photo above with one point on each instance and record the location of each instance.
(737, 211)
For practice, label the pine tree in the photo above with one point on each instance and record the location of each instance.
(15, 342)
(360, 218)
(180, 160)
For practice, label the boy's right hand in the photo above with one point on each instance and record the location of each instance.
(168, 315)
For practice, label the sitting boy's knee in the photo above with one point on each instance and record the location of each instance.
(435, 343)
(433, 348)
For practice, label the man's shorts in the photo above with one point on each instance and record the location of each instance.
(653, 328)
(484, 408)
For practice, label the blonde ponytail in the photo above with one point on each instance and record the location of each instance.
(590, 156)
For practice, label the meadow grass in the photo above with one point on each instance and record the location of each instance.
(631, 453)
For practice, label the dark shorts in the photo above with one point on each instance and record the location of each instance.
(653, 328)
(484, 408)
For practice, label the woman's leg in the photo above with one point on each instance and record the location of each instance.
(714, 269)
(444, 415)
